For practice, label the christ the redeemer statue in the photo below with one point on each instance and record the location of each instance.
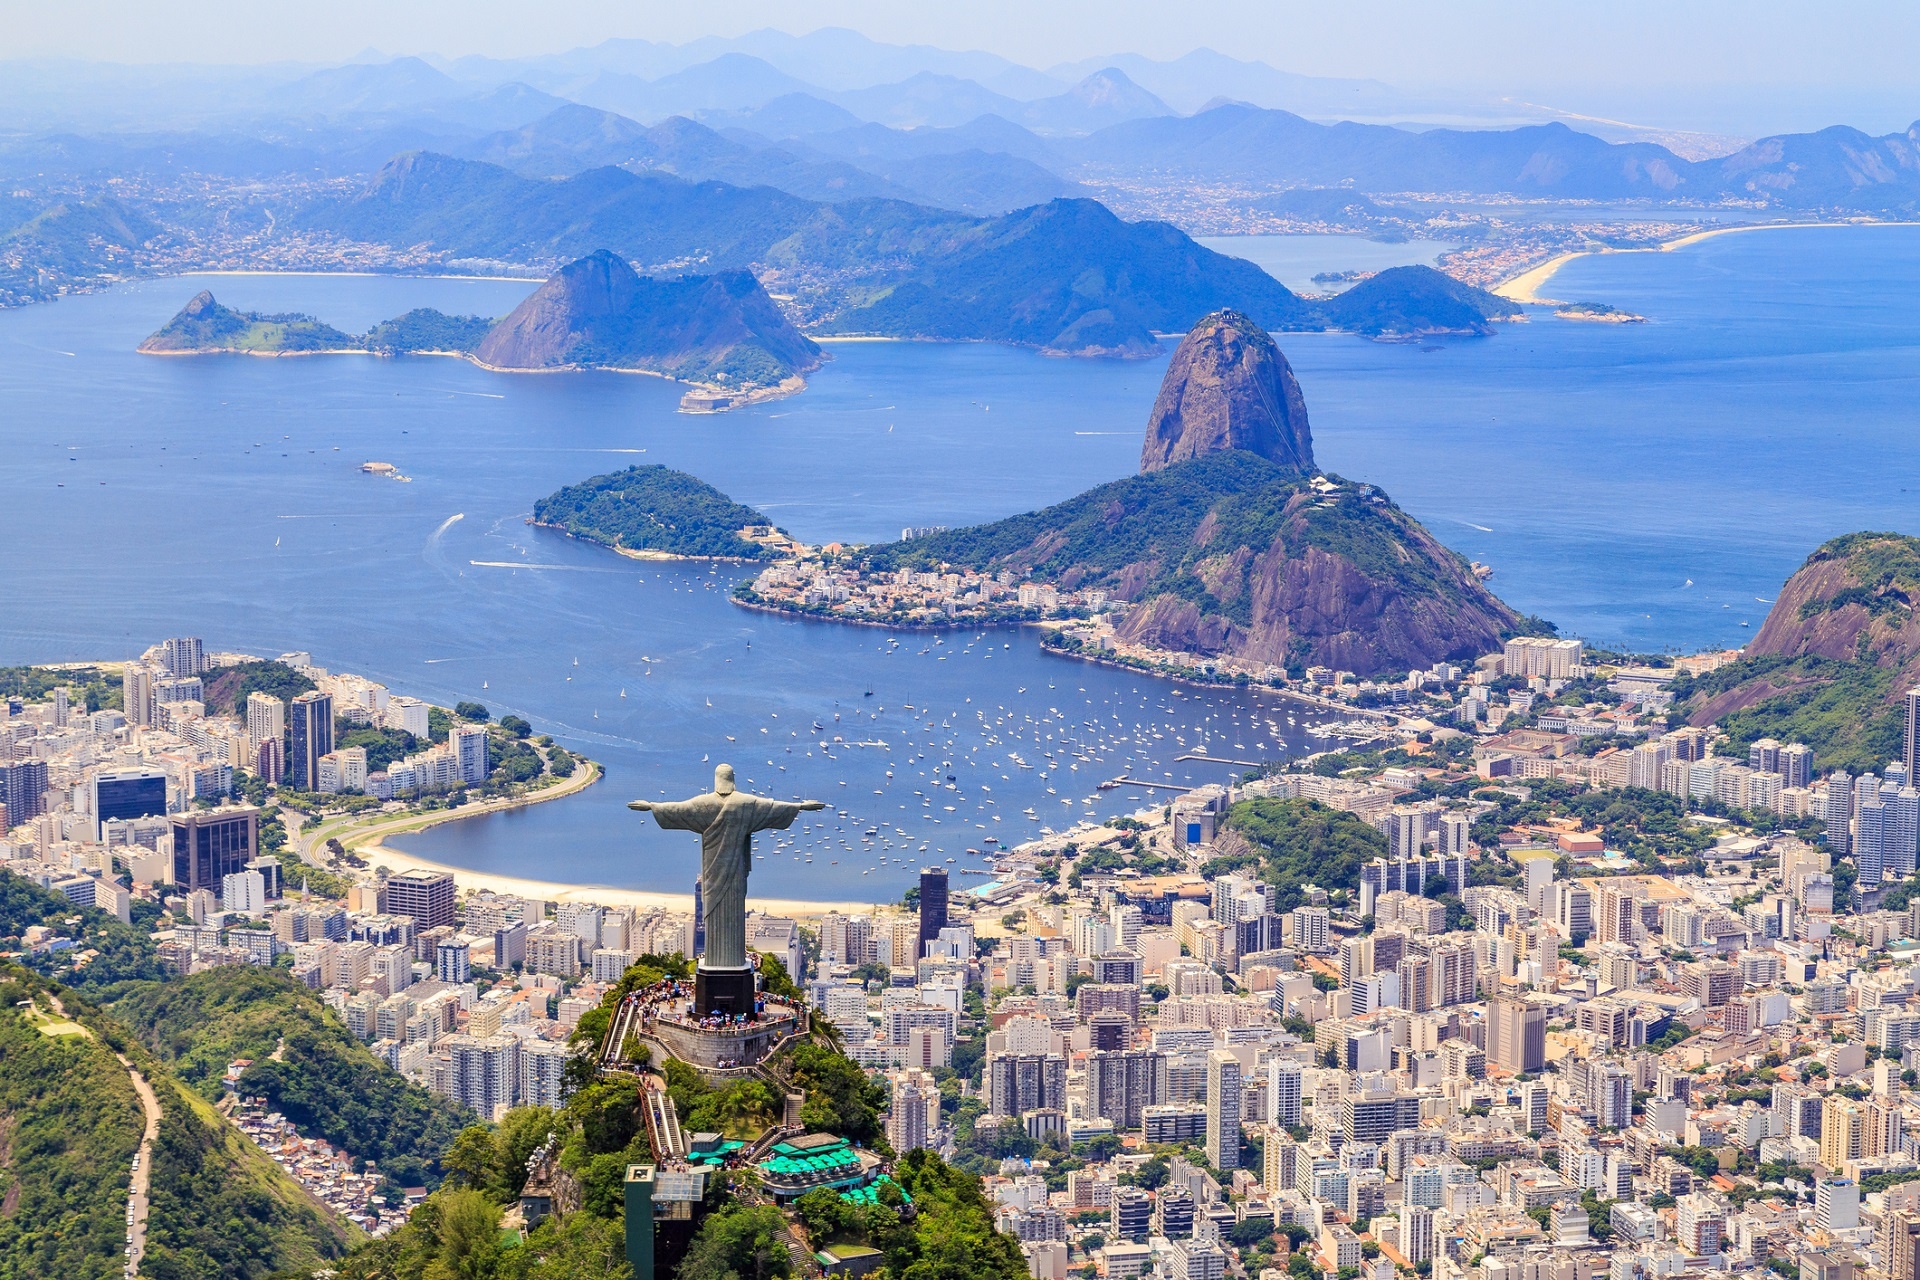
(726, 819)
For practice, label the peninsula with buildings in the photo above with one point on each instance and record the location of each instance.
(1228, 544)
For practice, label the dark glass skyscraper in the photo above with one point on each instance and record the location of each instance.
(212, 844)
(933, 906)
(129, 793)
(310, 725)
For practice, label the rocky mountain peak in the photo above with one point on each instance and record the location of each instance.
(1228, 387)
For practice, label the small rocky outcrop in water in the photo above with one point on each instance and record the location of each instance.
(1228, 387)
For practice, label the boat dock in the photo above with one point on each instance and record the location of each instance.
(1111, 783)
(1247, 764)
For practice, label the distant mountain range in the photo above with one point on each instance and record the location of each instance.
(851, 176)
(1066, 276)
(1835, 167)
(954, 144)
(576, 138)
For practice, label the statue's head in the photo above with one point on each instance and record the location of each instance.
(723, 780)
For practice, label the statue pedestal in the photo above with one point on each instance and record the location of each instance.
(723, 991)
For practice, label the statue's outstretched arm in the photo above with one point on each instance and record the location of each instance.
(811, 805)
(644, 806)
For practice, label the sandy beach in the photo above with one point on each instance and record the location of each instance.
(367, 841)
(1525, 287)
(396, 860)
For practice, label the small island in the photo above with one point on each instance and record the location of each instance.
(1409, 304)
(720, 333)
(205, 327)
(656, 513)
(1597, 313)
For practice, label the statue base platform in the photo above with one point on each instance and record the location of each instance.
(725, 1048)
(723, 991)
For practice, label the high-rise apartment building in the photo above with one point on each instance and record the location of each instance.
(1843, 1131)
(1453, 975)
(23, 790)
(1223, 1110)
(427, 896)
(1416, 1233)
(1020, 1082)
(1610, 1092)
(1912, 755)
(1311, 927)
(136, 693)
(483, 1072)
(1700, 1222)
(1122, 1084)
(1796, 765)
(1516, 1034)
(1838, 813)
(1131, 1217)
(1713, 983)
(452, 960)
(1540, 656)
(468, 743)
(916, 1102)
(1836, 1204)
(1617, 912)
(1573, 910)
(184, 656)
(1901, 838)
(266, 718)
(311, 723)
(543, 1074)
(1285, 1094)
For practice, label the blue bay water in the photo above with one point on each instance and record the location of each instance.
(1294, 260)
(1766, 406)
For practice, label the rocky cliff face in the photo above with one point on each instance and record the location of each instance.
(1864, 582)
(1369, 591)
(598, 312)
(1233, 554)
(1831, 665)
(1853, 599)
(1228, 387)
(201, 323)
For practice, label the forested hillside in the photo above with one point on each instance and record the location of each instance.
(325, 1081)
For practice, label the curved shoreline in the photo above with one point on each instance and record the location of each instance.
(658, 557)
(736, 398)
(976, 624)
(1525, 287)
(368, 840)
(1117, 664)
(379, 825)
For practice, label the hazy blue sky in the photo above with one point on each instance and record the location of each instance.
(1592, 53)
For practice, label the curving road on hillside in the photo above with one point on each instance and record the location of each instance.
(137, 1192)
(137, 1202)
